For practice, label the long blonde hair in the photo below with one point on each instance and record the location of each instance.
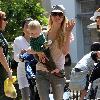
(60, 36)
(2, 14)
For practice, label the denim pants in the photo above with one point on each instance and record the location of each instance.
(44, 80)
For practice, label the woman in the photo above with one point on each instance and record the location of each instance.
(59, 32)
(3, 54)
(96, 19)
(21, 43)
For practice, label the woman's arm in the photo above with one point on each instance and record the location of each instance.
(66, 45)
(68, 37)
(3, 61)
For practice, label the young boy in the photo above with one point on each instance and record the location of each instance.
(39, 43)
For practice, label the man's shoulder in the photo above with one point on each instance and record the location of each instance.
(85, 58)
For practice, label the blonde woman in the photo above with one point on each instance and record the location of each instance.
(59, 32)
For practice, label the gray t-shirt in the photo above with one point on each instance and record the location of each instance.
(86, 63)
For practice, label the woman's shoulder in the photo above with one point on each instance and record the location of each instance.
(19, 37)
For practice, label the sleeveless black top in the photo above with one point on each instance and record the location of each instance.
(4, 45)
(3, 73)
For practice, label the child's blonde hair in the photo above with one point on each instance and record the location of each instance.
(34, 25)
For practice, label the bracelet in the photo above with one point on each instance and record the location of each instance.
(10, 73)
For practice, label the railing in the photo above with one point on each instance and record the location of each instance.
(74, 94)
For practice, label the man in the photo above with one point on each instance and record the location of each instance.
(96, 19)
(79, 79)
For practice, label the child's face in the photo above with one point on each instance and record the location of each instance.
(35, 32)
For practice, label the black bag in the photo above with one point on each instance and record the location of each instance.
(68, 60)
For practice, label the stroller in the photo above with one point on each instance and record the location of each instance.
(30, 68)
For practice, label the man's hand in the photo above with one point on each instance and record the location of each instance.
(83, 94)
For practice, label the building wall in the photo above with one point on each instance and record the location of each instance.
(47, 5)
(89, 36)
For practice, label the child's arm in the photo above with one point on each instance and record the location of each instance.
(41, 55)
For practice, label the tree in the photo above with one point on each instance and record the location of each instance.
(17, 11)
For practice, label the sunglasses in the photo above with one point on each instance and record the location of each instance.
(5, 19)
(60, 14)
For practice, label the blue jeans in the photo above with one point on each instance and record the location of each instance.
(44, 80)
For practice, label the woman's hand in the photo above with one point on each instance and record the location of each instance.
(20, 55)
(23, 51)
(42, 57)
(69, 26)
(55, 71)
(10, 74)
(68, 36)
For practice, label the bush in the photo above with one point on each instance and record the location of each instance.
(17, 11)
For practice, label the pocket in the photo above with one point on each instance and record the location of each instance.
(40, 74)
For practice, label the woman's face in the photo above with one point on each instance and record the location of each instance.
(3, 22)
(25, 29)
(57, 17)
